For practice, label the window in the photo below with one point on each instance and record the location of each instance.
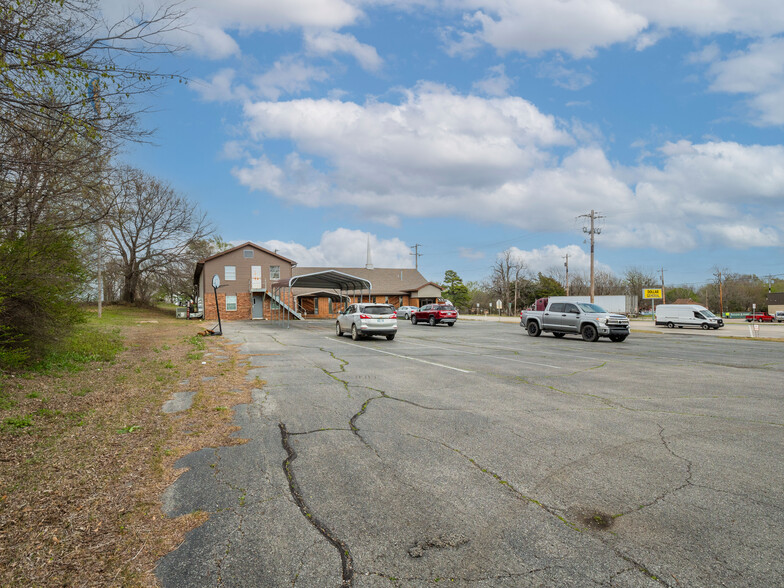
(274, 304)
(331, 311)
(230, 273)
(274, 272)
(557, 307)
(571, 308)
(231, 302)
(247, 253)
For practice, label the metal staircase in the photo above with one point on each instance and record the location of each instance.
(284, 306)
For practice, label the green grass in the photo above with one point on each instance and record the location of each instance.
(87, 344)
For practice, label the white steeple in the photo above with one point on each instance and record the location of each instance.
(369, 264)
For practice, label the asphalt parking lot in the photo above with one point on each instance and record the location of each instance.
(479, 456)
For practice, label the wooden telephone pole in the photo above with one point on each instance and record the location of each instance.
(594, 216)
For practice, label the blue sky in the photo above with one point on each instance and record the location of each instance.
(475, 126)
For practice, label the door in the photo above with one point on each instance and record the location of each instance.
(570, 320)
(257, 308)
(551, 318)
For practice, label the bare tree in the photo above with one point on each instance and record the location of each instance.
(151, 228)
(505, 277)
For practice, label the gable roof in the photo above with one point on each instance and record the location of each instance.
(200, 263)
(386, 281)
(243, 246)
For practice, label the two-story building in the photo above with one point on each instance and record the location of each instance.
(256, 283)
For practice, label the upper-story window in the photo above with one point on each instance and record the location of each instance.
(247, 253)
(274, 272)
(230, 272)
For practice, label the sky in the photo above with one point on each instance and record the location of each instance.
(471, 127)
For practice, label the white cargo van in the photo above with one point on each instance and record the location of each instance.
(686, 315)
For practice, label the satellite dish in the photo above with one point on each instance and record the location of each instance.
(215, 281)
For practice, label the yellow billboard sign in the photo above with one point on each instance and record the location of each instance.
(651, 293)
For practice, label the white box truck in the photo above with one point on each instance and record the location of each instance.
(686, 315)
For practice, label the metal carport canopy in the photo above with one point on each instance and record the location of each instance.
(330, 279)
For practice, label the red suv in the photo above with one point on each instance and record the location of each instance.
(433, 314)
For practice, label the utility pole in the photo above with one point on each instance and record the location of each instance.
(770, 282)
(664, 296)
(721, 296)
(100, 262)
(592, 231)
(566, 264)
(416, 254)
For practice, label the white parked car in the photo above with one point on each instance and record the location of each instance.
(780, 316)
(405, 312)
(367, 319)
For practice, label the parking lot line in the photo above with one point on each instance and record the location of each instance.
(482, 355)
(449, 367)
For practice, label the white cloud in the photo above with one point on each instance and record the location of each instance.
(548, 257)
(578, 27)
(468, 253)
(501, 160)
(288, 75)
(496, 83)
(563, 76)
(740, 235)
(759, 72)
(328, 42)
(220, 87)
(345, 248)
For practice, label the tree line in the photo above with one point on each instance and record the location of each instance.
(517, 287)
(68, 206)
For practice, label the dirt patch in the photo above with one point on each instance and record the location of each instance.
(85, 456)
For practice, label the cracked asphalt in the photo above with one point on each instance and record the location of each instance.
(479, 456)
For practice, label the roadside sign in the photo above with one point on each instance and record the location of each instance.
(651, 293)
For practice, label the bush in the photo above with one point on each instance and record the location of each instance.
(40, 276)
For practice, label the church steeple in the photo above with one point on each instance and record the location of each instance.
(369, 264)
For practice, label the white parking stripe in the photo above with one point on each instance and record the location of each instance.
(449, 367)
(482, 355)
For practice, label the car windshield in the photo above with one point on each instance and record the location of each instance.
(708, 314)
(377, 309)
(590, 308)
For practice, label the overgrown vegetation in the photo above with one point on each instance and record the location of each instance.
(87, 452)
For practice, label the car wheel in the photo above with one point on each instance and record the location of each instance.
(618, 338)
(406, 316)
(451, 324)
(590, 333)
(354, 333)
(413, 319)
(559, 335)
(705, 326)
(390, 337)
(670, 326)
(338, 330)
(431, 321)
(533, 329)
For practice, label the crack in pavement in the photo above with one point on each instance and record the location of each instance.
(435, 579)
(687, 481)
(345, 554)
(547, 508)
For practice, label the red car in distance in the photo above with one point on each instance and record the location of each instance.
(433, 314)
(762, 317)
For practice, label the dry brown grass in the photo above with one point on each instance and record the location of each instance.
(80, 487)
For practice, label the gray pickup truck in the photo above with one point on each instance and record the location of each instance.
(578, 318)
